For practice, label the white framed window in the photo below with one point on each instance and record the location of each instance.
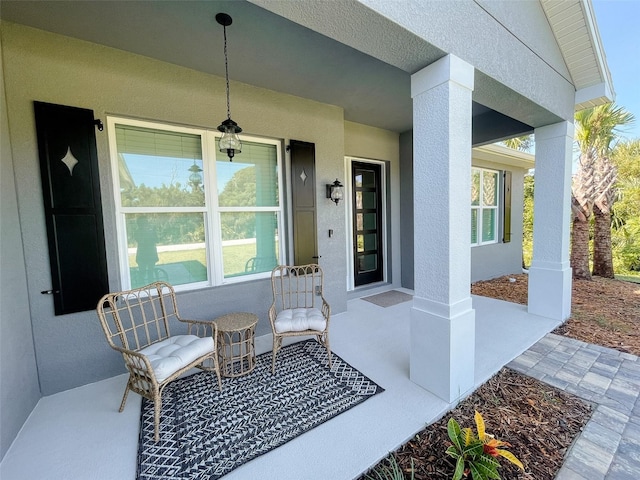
(188, 216)
(484, 206)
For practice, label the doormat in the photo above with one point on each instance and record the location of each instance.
(206, 433)
(388, 299)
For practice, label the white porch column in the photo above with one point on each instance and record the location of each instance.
(442, 320)
(550, 273)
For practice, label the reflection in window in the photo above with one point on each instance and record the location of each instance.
(170, 228)
(166, 247)
(249, 237)
(484, 206)
(249, 242)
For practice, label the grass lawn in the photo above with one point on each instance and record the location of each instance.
(629, 278)
(235, 259)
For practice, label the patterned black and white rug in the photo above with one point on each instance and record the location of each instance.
(205, 433)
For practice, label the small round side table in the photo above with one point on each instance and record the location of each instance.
(236, 352)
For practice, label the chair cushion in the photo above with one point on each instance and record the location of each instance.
(172, 354)
(300, 319)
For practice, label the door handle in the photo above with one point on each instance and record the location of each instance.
(49, 292)
(317, 256)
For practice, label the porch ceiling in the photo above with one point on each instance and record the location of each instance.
(269, 51)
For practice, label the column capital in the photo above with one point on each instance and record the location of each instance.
(555, 130)
(448, 69)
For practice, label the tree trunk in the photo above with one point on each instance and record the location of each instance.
(602, 256)
(580, 250)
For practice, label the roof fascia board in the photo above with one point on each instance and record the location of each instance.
(598, 48)
(504, 155)
(594, 95)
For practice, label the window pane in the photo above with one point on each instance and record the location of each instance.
(158, 168)
(251, 179)
(489, 189)
(366, 263)
(368, 179)
(370, 241)
(359, 180)
(366, 221)
(166, 246)
(474, 225)
(370, 221)
(368, 200)
(249, 242)
(488, 224)
(365, 200)
(475, 187)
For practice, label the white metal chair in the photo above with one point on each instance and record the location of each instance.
(299, 307)
(136, 324)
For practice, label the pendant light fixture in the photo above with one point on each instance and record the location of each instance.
(229, 142)
(195, 179)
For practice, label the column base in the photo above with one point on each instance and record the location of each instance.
(550, 292)
(442, 356)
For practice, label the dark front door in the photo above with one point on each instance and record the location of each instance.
(73, 212)
(303, 193)
(367, 223)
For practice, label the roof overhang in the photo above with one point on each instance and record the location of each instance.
(504, 155)
(574, 26)
(271, 51)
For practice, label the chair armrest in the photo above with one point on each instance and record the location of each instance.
(201, 327)
(137, 364)
(273, 314)
(326, 310)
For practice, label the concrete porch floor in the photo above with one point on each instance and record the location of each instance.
(79, 434)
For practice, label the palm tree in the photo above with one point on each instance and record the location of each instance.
(606, 176)
(592, 188)
(524, 143)
(582, 192)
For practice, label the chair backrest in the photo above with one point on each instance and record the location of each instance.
(297, 286)
(136, 318)
(260, 264)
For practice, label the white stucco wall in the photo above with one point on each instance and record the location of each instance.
(19, 389)
(482, 33)
(485, 37)
(71, 349)
(362, 141)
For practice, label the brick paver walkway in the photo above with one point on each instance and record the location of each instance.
(609, 446)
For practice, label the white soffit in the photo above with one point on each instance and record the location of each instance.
(504, 155)
(574, 26)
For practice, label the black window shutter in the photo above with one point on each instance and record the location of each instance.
(303, 194)
(72, 205)
(506, 211)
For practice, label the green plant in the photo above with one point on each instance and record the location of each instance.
(476, 453)
(389, 470)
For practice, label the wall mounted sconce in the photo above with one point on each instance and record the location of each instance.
(229, 142)
(335, 191)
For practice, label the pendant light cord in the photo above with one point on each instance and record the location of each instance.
(226, 69)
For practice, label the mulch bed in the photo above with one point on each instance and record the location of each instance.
(603, 311)
(539, 421)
